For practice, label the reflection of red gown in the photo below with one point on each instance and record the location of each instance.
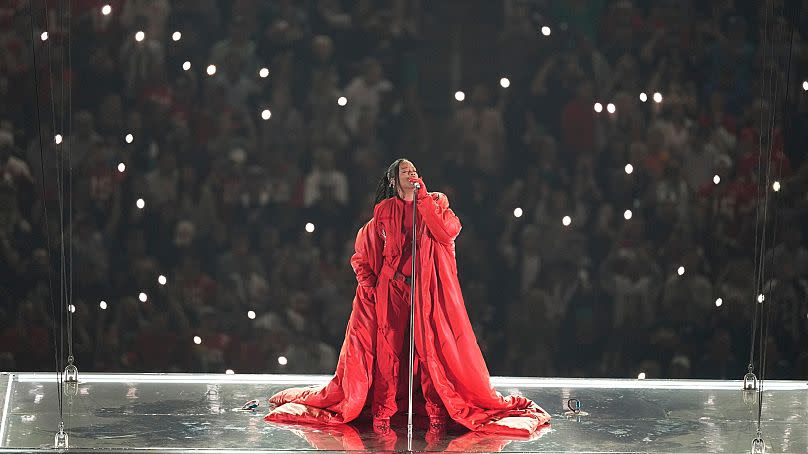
(444, 339)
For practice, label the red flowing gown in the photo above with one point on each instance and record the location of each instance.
(444, 341)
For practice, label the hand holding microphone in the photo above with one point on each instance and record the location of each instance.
(419, 186)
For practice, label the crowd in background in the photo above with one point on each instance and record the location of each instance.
(232, 166)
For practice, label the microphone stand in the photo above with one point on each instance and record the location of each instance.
(413, 282)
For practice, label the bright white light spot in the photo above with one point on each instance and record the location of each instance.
(566, 220)
(44, 36)
(761, 298)
(776, 186)
(681, 271)
(266, 114)
(140, 203)
(309, 227)
(162, 280)
(121, 167)
(504, 82)
(805, 85)
(643, 97)
(641, 376)
(460, 96)
(546, 31)
(282, 360)
(186, 66)
(129, 138)
(72, 309)
(176, 36)
(598, 107)
(263, 73)
(718, 302)
(657, 97)
(57, 138)
(627, 214)
(102, 305)
(716, 179)
(197, 340)
(611, 108)
(211, 70)
(517, 212)
(139, 36)
(106, 9)
(342, 100)
(229, 372)
(629, 168)
(143, 297)
(251, 315)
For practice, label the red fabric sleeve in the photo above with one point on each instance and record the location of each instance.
(366, 247)
(440, 220)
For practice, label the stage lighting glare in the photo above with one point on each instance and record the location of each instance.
(162, 280)
(44, 36)
(566, 220)
(460, 96)
(176, 36)
(140, 36)
(517, 212)
(716, 179)
(681, 271)
(58, 139)
(106, 9)
(598, 107)
(129, 138)
(611, 108)
(805, 85)
(282, 360)
(309, 227)
(627, 214)
(643, 97)
(266, 114)
(263, 73)
(143, 297)
(211, 70)
(718, 302)
(657, 97)
(229, 372)
(197, 340)
(504, 82)
(103, 305)
(186, 66)
(140, 203)
(546, 31)
(121, 167)
(72, 309)
(629, 168)
(342, 100)
(251, 315)
(641, 376)
(776, 186)
(761, 298)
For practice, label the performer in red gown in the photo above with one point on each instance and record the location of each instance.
(372, 370)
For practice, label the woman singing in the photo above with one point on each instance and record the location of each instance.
(373, 369)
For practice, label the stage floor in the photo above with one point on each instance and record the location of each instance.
(196, 413)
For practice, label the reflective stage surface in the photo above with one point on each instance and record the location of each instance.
(199, 413)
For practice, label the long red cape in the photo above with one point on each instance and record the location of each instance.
(443, 335)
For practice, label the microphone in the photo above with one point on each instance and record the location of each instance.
(417, 185)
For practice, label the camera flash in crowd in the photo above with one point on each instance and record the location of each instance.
(229, 372)
(460, 96)
(58, 139)
(282, 360)
(140, 36)
(143, 297)
(517, 212)
(776, 186)
(197, 340)
(44, 36)
(211, 70)
(266, 114)
(342, 101)
(72, 309)
(805, 85)
(611, 108)
(657, 97)
(598, 107)
(629, 168)
(641, 376)
(309, 227)
(162, 280)
(627, 214)
(176, 36)
(504, 82)
(718, 302)
(129, 138)
(251, 315)
(566, 220)
(140, 203)
(761, 298)
(121, 167)
(681, 270)
(106, 9)
(716, 179)
(186, 66)
(643, 97)
(263, 73)
(546, 31)
(103, 305)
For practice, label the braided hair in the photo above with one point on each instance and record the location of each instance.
(388, 184)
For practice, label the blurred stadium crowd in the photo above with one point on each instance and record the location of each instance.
(597, 241)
